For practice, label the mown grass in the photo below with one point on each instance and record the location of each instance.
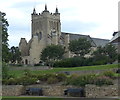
(19, 73)
(29, 98)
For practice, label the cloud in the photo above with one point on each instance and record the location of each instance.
(78, 26)
(97, 18)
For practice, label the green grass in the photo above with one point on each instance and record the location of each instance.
(29, 98)
(19, 73)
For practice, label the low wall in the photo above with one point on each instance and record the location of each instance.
(12, 90)
(52, 90)
(93, 91)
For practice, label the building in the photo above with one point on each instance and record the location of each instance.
(46, 30)
(116, 40)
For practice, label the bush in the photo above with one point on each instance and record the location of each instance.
(45, 77)
(5, 71)
(109, 74)
(61, 77)
(52, 80)
(71, 62)
(81, 80)
(103, 80)
(26, 80)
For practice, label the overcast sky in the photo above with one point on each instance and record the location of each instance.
(97, 18)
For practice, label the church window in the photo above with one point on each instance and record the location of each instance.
(40, 35)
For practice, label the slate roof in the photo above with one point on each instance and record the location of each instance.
(100, 42)
(95, 41)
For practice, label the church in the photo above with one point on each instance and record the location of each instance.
(46, 30)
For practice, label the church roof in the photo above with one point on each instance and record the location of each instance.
(95, 41)
(116, 37)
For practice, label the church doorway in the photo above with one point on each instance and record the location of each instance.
(26, 61)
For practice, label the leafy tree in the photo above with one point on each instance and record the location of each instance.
(99, 56)
(80, 47)
(107, 54)
(110, 52)
(5, 49)
(52, 53)
(15, 54)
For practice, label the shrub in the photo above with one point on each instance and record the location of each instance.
(103, 80)
(52, 80)
(27, 72)
(109, 74)
(71, 62)
(5, 71)
(81, 80)
(61, 77)
(26, 80)
(45, 77)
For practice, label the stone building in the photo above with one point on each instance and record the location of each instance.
(116, 40)
(46, 30)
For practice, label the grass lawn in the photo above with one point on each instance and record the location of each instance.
(29, 98)
(19, 73)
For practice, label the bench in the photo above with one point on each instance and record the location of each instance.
(79, 92)
(34, 91)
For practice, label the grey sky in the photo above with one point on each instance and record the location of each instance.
(97, 18)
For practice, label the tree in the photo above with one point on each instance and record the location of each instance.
(80, 47)
(52, 53)
(5, 49)
(15, 54)
(111, 52)
(107, 54)
(99, 57)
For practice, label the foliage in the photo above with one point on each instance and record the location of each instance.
(52, 80)
(52, 53)
(80, 47)
(15, 54)
(111, 53)
(61, 77)
(71, 62)
(5, 74)
(104, 55)
(99, 56)
(109, 74)
(103, 80)
(5, 49)
(81, 80)
(20, 81)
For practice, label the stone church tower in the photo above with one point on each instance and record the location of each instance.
(45, 30)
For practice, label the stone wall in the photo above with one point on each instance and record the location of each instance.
(52, 90)
(12, 90)
(93, 91)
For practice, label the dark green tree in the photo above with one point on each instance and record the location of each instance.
(106, 54)
(5, 49)
(15, 55)
(111, 53)
(99, 56)
(52, 53)
(80, 47)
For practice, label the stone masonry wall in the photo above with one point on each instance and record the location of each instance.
(12, 90)
(52, 90)
(93, 91)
